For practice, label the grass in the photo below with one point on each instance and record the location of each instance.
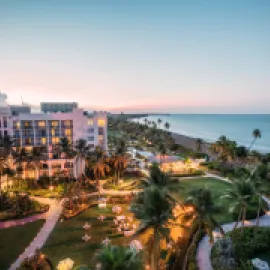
(216, 186)
(66, 239)
(14, 240)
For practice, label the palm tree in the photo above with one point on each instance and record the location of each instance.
(82, 152)
(65, 147)
(224, 149)
(161, 148)
(20, 156)
(97, 162)
(7, 142)
(3, 168)
(203, 202)
(35, 158)
(119, 258)
(159, 121)
(119, 164)
(167, 125)
(256, 135)
(240, 196)
(199, 144)
(154, 210)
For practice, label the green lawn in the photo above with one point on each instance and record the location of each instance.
(216, 186)
(14, 240)
(66, 239)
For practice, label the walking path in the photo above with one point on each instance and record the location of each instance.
(204, 247)
(23, 221)
(52, 217)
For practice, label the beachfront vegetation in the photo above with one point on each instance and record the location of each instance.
(239, 247)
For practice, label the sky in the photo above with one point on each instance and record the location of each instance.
(199, 56)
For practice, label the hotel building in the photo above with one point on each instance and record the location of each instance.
(45, 129)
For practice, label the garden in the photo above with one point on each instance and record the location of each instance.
(15, 205)
(240, 247)
(80, 237)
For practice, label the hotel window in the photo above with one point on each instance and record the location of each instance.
(5, 133)
(100, 131)
(92, 138)
(28, 141)
(53, 132)
(41, 123)
(0, 123)
(54, 123)
(68, 132)
(55, 140)
(90, 130)
(90, 122)
(43, 141)
(26, 124)
(16, 124)
(67, 123)
(5, 122)
(101, 122)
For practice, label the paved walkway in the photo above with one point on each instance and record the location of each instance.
(52, 217)
(204, 247)
(23, 221)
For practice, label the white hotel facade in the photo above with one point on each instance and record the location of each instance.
(45, 129)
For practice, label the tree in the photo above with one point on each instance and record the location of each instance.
(203, 202)
(256, 135)
(167, 125)
(97, 162)
(224, 149)
(119, 164)
(119, 258)
(161, 148)
(240, 196)
(159, 121)
(65, 147)
(199, 144)
(3, 168)
(35, 157)
(6, 143)
(153, 209)
(82, 152)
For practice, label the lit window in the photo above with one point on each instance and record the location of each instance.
(43, 140)
(41, 123)
(55, 140)
(53, 132)
(90, 121)
(68, 132)
(54, 123)
(101, 122)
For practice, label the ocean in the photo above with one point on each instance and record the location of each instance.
(210, 127)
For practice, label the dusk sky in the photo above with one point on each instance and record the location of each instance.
(197, 56)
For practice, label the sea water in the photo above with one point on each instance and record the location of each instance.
(210, 127)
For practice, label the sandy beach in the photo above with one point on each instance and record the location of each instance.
(189, 142)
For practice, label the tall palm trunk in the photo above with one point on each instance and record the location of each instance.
(252, 144)
(258, 211)
(238, 219)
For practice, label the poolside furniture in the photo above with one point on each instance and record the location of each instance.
(87, 226)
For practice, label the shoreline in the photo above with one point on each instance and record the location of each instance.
(189, 142)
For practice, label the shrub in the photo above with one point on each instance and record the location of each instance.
(194, 173)
(246, 246)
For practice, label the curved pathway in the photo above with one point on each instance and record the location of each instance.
(23, 221)
(204, 247)
(52, 217)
